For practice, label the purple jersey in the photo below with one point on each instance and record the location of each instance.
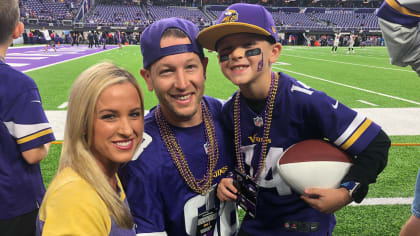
(24, 126)
(160, 200)
(299, 113)
(403, 12)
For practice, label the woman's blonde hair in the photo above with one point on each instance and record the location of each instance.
(78, 137)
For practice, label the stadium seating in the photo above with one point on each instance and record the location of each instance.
(191, 13)
(48, 10)
(116, 15)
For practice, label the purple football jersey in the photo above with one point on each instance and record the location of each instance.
(160, 200)
(24, 126)
(299, 113)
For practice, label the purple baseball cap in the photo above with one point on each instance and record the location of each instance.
(239, 18)
(150, 40)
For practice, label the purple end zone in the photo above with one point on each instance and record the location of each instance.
(26, 59)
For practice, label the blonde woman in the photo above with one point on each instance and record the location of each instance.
(103, 128)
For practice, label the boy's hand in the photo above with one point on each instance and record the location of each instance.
(226, 191)
(327, 201)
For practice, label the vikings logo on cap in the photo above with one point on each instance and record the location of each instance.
(230, 16)
(273, 29)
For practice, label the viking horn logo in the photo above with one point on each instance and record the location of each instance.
(230, 16)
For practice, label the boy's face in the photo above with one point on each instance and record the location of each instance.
(244, 57)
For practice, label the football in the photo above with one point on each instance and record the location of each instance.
(313, 163)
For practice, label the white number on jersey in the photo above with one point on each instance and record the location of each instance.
(273, 156)
(226, 211)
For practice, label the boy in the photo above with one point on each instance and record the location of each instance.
(170, 184)
(272, 111)
(25, 135)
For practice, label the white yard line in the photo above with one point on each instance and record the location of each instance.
(64, 105)
(350, 86)
(368, 103)
(348, 63)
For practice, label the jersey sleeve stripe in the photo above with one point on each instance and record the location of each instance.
(22, 130)
(356, 134)
(394, 4)
(153, 234)
(34, 136)
(350, 129)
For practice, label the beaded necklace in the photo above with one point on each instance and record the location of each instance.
(197, 185)
(268, 112)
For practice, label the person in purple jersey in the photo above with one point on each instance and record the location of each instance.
(170, 184)
(25, 136)
(271, 112)
(400, 25)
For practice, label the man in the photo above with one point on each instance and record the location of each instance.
(170, 185)
(48, 39)
(25, 135)
(400, 25)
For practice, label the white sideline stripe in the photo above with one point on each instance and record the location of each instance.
(368, 103)
(64, 105)
(25, 58)
(349, 86)
(384, 201)
(34, 54)
(17, 64)
(394, 121)
(348, 63)
(41, 67)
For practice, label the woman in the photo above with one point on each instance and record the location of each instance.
(103, 129)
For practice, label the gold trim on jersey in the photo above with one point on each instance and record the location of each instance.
(401, 9)
(356, 135)
(34, 136)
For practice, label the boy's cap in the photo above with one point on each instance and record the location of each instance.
(151, 36)
(239, 18)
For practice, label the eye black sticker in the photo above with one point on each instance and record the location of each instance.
(224, 58)
(253, 52)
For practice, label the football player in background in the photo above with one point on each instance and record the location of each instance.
(48, 40)
(170, 185)
(25, 136)
(336, 42)
(272, 111)
(400, 25)
(351, 43)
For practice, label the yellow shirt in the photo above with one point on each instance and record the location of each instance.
(72, 207)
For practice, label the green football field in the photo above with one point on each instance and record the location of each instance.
(361, 80)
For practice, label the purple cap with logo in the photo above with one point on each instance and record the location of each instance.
(150, 40)
(239, 18)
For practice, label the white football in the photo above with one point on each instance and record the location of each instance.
(313, 163)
